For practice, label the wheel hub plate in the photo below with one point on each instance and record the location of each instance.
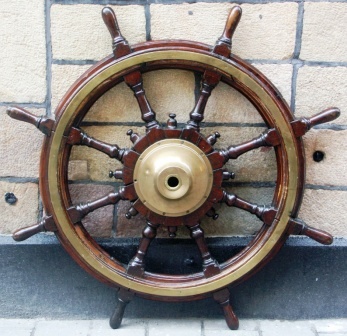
(173, 177)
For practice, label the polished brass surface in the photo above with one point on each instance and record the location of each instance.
(173, 177)
(193, 287)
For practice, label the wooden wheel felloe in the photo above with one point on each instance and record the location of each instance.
(173, 176)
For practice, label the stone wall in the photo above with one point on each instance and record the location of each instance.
(299, 45)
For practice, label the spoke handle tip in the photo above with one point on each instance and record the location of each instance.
(111, 23)
(29, 231)
(319, 236)
(23, 115)
(232, 22)
(325, 116)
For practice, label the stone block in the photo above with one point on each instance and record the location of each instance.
(168, 91)
(24, 212)
(20, 146)
(100, 222)
(266, 31)
(219, 325)
(78, 170)
(281, 76)
(319, 88)
(63, 76)
(172, 327)
(227, 332)
(78, 31)
(323, 36)
(56, 328)
(285, 328)
(325, 210)
(17, 327)
(332, 169)
(228, 105)
(331, 327)
(23, 52)
(131, 326)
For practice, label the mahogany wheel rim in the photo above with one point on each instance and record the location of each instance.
(197, 284)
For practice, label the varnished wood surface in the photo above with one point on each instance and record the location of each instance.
(73, 135)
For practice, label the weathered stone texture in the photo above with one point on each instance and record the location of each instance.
(324, 32)
(228, 105)
(332, 170)
(326, 210)
(319, 88)
(266, 31)
(20, 146)
(78, 170)
(280, 75)
(286, 328)
(171, 91)
(24, 212)
(98, 223)
(23, 52)
(78, 31)
(168, 91)
(63, 76)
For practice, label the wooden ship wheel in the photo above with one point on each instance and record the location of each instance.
(173, 176)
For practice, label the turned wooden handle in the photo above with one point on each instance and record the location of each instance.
(319, 236)
(327, 115)
(232, 22)
(230, 317)
(23, 115)
(27, 232)
(111, 23)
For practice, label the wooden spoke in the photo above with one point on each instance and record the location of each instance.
(266, 214)
(136, 266)
(209, 264)
(134, 79)
(78, 137)
(223, 298)
(77, 212)
(124, 297)
(135, 82)
(268, 138)
(209, 81)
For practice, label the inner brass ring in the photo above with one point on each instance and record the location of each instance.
(173, 177)
(272, 106)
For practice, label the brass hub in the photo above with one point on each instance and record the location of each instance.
(173, 177)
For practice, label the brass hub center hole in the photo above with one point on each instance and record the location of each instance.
(173, 182)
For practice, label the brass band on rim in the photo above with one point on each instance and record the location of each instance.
(194, 287)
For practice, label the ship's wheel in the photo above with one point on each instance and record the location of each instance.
(173, 176)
